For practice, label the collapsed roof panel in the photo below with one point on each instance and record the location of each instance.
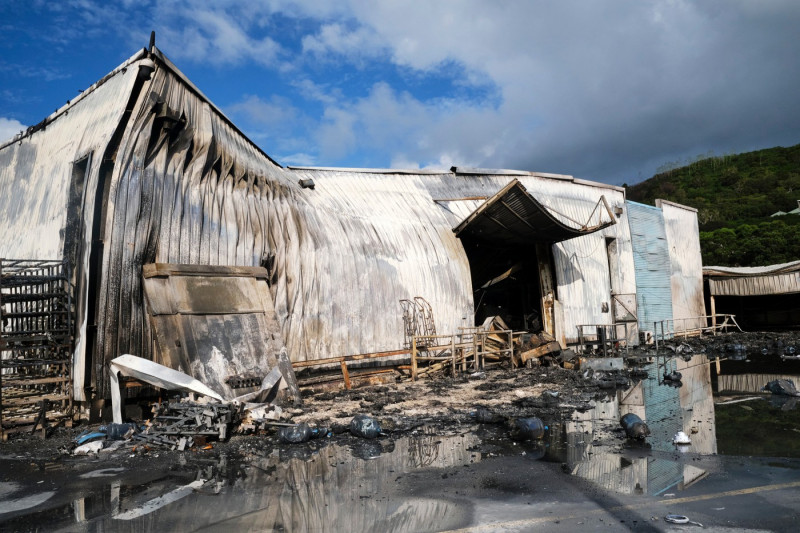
(515, 217)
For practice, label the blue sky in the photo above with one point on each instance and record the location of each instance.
(604, 90)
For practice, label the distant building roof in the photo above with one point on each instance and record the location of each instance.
(783, 278)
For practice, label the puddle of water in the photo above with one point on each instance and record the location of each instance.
(333, 487)
(293, 489)
(592, 446)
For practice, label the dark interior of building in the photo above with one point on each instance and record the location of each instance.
(505, 282)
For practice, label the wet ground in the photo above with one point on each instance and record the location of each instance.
(443, 466)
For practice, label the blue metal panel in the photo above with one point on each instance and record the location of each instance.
(651, 264)
(664, 417)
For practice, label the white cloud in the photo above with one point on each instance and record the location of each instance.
(278, 112)
(216, 33)
(338, 39)
(595, 89)
(404, 129)
(8, 128)
(317, 92)
(299, 159)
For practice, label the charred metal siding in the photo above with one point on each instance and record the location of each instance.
(683, 239)
(343, 253)
(652, 262)
(40, 193)
(385, 236)
(187, 189)
(36, 170)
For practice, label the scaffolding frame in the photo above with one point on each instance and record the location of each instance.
(36, 345)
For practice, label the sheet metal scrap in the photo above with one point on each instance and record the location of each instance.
(176, 425)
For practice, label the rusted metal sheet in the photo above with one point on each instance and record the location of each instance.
(219, 327)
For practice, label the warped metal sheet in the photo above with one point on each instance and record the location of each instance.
(154, 374)
(217, 327)
(514, 216)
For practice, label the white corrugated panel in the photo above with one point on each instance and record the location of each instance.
(683, 238)
(782, 278)
(391, 225)
(36, 170)
(788, 283)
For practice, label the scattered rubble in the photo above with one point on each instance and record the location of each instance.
(498, 395)
(782, 387)
(365, 426)
(529, 428)
(180, 424)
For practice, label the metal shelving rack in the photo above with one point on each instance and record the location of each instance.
(36, 345)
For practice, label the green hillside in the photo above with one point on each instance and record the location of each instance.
(735, 196)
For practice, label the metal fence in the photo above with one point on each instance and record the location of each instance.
(691, 327)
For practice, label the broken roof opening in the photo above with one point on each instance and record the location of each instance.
(515, 217)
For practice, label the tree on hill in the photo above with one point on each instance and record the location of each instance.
(735, 196)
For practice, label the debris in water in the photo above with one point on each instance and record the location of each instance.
(530, 428)
(680, 519)
(635, 427)
(365, 426)
(88, 448)
(681, 438)
(295, 434)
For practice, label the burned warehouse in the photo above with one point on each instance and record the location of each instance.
(173, 237)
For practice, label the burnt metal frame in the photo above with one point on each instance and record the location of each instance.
(36, 344)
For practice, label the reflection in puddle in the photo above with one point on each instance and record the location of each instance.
(295, 488)
(330, 491)
(593, 447)
(353, 485)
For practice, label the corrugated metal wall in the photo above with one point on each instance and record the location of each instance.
(413, 247)
(683, 238)
(36, 171)
(787, 283)
(197, 193)
(188, 188)
(39, 192)
(661, 403)
(652, 263)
